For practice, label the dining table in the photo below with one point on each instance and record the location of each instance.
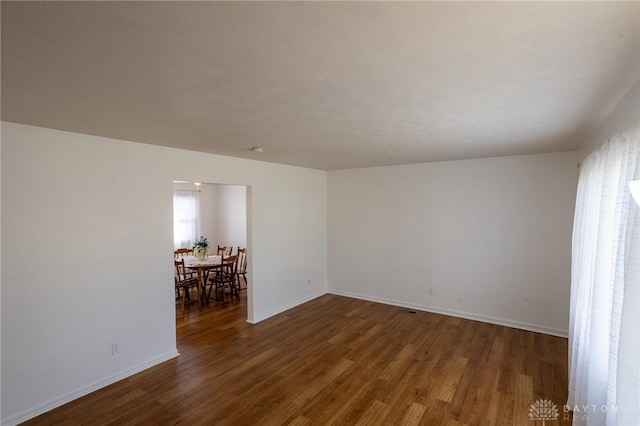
(202, 266)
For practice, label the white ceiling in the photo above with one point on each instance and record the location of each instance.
(326, 85)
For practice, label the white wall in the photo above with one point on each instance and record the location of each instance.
(620, 116)
(89, 223)
(232, 229)
(208, 212)
(491, 237)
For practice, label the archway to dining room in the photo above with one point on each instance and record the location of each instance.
(221, 213)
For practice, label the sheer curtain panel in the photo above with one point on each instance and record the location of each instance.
(604, 329)
(185, 218)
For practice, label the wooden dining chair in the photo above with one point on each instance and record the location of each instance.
(224, 250)
(242, 268)
(181, 252)
(225, 277)
(183, 281)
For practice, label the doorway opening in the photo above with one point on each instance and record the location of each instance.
(221, 214)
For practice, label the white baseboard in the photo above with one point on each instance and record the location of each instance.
(476, 317)
(258, 318)
(91, 387)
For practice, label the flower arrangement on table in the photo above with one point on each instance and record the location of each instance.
(201, 248)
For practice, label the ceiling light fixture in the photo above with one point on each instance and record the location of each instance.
(257, 149)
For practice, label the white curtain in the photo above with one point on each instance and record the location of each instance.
(604, 330)
(185, 218)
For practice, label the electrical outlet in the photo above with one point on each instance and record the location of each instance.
(430, 292)
(115, 348)
(309, 282)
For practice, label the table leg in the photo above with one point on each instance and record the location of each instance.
(200, 287)
(205, 278)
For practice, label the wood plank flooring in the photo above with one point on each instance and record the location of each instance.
(335, 360)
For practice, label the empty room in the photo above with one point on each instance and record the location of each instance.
(374, 213)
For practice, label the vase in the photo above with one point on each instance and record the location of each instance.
(200, 253)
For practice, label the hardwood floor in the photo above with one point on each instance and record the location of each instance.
(335, 360)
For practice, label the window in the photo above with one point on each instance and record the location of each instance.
(185, 218)
(604, 376)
